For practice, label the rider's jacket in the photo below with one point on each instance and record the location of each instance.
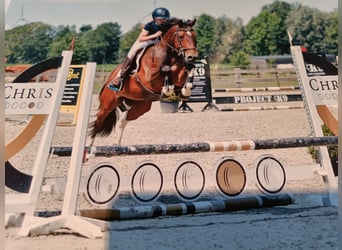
(152, 27)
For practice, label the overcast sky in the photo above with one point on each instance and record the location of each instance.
(127, 13)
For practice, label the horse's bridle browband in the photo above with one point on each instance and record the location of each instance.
(180, 50)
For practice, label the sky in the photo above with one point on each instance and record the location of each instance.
(127, 13)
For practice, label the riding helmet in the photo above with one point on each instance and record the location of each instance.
(161, 13)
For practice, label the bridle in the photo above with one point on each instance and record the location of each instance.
(181, 50)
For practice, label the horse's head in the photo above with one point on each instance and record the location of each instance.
(181, 38)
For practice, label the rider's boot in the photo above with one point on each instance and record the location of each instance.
(117, 83)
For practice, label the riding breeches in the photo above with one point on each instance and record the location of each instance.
(139, 45)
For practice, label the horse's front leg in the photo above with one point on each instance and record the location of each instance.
(186, 90)
(168, 87)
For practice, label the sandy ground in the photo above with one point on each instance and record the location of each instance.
(306, 224)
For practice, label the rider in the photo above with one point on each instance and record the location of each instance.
(149, 35)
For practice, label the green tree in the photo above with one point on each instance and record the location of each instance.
(103, 43)
(281, 9)
(240, 59)
(127, 40)
(29, 43)
(308, 28)
(331, 33)
(65, 35)
(228, 39)
(85, 28)
(263, 34)
(205, 30)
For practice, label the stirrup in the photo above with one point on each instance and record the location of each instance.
(113, 87)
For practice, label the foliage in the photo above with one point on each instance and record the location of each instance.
(222, 40)
(313, 29)
(228, 39)
(173, 98)
(63, 39)
(333, 150)
(127, 40)
(240, 59)
(28, 43)
(263, 34)
(205, 35)
(103, 43)
(331, 33)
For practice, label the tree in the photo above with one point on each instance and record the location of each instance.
(228, 39)
(240, 59)
(263, 34)
(308, 28)
(62, 41)
(266, 34)
(281, 10)
(205, 35)
(104, 43)
(127, 40)
(331, 33)
(29, 43)
(223, 40)
(85, 28)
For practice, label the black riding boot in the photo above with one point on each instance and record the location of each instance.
(117, 83)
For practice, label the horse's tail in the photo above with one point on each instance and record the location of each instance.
(103, 126)
(107, 126)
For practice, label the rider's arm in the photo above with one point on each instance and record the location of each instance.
(144, 35)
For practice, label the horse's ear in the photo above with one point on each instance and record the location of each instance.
(193, 22)
(190, 22)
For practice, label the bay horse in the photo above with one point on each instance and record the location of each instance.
(163, 69)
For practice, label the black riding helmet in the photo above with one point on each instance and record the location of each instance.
(161, 13)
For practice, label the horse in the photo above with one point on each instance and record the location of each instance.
(163, 69)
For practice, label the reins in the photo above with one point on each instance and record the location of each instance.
(181, 49)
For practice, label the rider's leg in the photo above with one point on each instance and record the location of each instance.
(117, 83)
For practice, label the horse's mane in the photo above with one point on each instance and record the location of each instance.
(175, 21)
(178, 23)
(181, 22)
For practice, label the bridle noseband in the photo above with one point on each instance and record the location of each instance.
(181, 50)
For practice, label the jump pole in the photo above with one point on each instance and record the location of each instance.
(242, 145)
(262, 108)
(259, 89)
(178, 209)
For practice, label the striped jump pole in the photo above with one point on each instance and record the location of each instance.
(256, 108)
(178, 209)
(108, 151)
(260, 89)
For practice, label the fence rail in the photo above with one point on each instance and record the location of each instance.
(239, 77)
(253, 77)
(229, 78)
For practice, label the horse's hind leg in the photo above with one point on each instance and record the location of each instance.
(120, 127)
(138, 108)
(134, 109)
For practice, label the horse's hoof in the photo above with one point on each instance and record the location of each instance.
(186, 90)
(188, 85)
